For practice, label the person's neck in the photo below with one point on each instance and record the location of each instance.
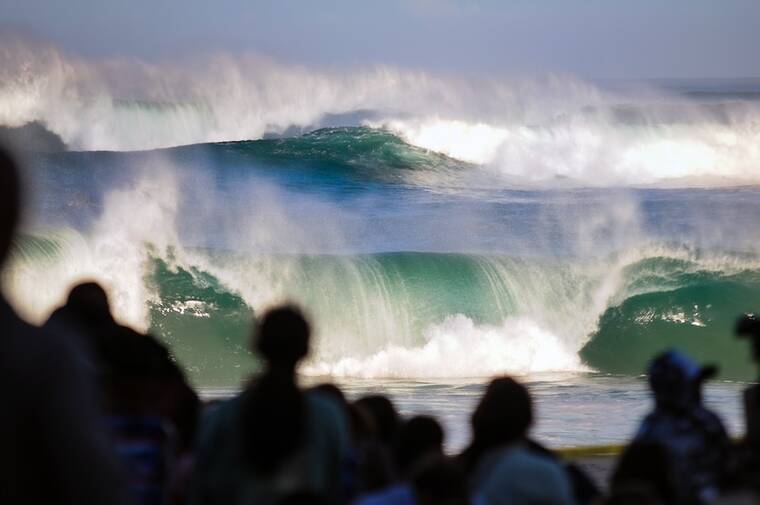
(284, 374)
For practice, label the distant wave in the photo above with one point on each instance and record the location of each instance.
(554, 130)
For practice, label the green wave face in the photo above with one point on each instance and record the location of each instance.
(206, 325)
(402, 314)
(698, 317)
(361, 152)
(367, 304)
(363, 304)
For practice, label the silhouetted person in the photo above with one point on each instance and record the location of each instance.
(85, 317)
(500, 464)
(418, 439)
(439, 480)
(360, 421)
(273, 440)
(693, 435)
(384, 417)
(748, 326)
(643, 476)
(152, 413)
(745, 471)
(376, 466)
(52, 437)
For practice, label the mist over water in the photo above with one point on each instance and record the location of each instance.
(439, 228)
(436, 284)
(551, 130)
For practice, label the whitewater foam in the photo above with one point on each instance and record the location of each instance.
(137, 220)
(551, 131)
(400, 314)
(459, 348)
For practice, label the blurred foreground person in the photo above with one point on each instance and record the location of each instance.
(51, 435)
(152, 415)
(748, 327)
(273, 441)
(643, 476)
(375, 454)
(419, 438)
(150, 410)
(501, 465)
(439, 480)
(86, 319)
(697, 444)
(746, 468)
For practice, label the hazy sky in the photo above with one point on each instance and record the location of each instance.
(591, 38)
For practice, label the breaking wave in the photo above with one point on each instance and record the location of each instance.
(552, 130)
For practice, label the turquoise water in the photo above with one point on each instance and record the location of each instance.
(424, 274)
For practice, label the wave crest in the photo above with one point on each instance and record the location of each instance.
(538, 131)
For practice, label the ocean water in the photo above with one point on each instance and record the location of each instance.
(438, 231)
(571, 409)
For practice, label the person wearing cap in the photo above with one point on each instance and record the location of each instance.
(693, 436)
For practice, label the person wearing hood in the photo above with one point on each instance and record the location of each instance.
(694, 438)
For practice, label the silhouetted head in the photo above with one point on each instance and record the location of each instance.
(10, 202)
(504, 414)
(136, 370)
(676, 379)
(419, 437)
(282, 336)
(644, 475)
(440, 481)
(359, 422)
(748, 326)
(502, 417)
(88, 302)
(383, 415)
(133, 354)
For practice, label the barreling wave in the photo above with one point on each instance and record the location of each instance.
(436, 315)
(556, 130)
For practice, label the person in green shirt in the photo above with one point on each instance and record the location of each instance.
(273, 440)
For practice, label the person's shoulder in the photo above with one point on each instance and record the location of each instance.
(217, 424)
(23, 341)
(322, 405)
(654, 425)
(710, 420)
(221, 411)
(327, 419)
(519, 459)
(543, 461)
(13, 324)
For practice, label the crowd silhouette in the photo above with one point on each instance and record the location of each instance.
(97, 413)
